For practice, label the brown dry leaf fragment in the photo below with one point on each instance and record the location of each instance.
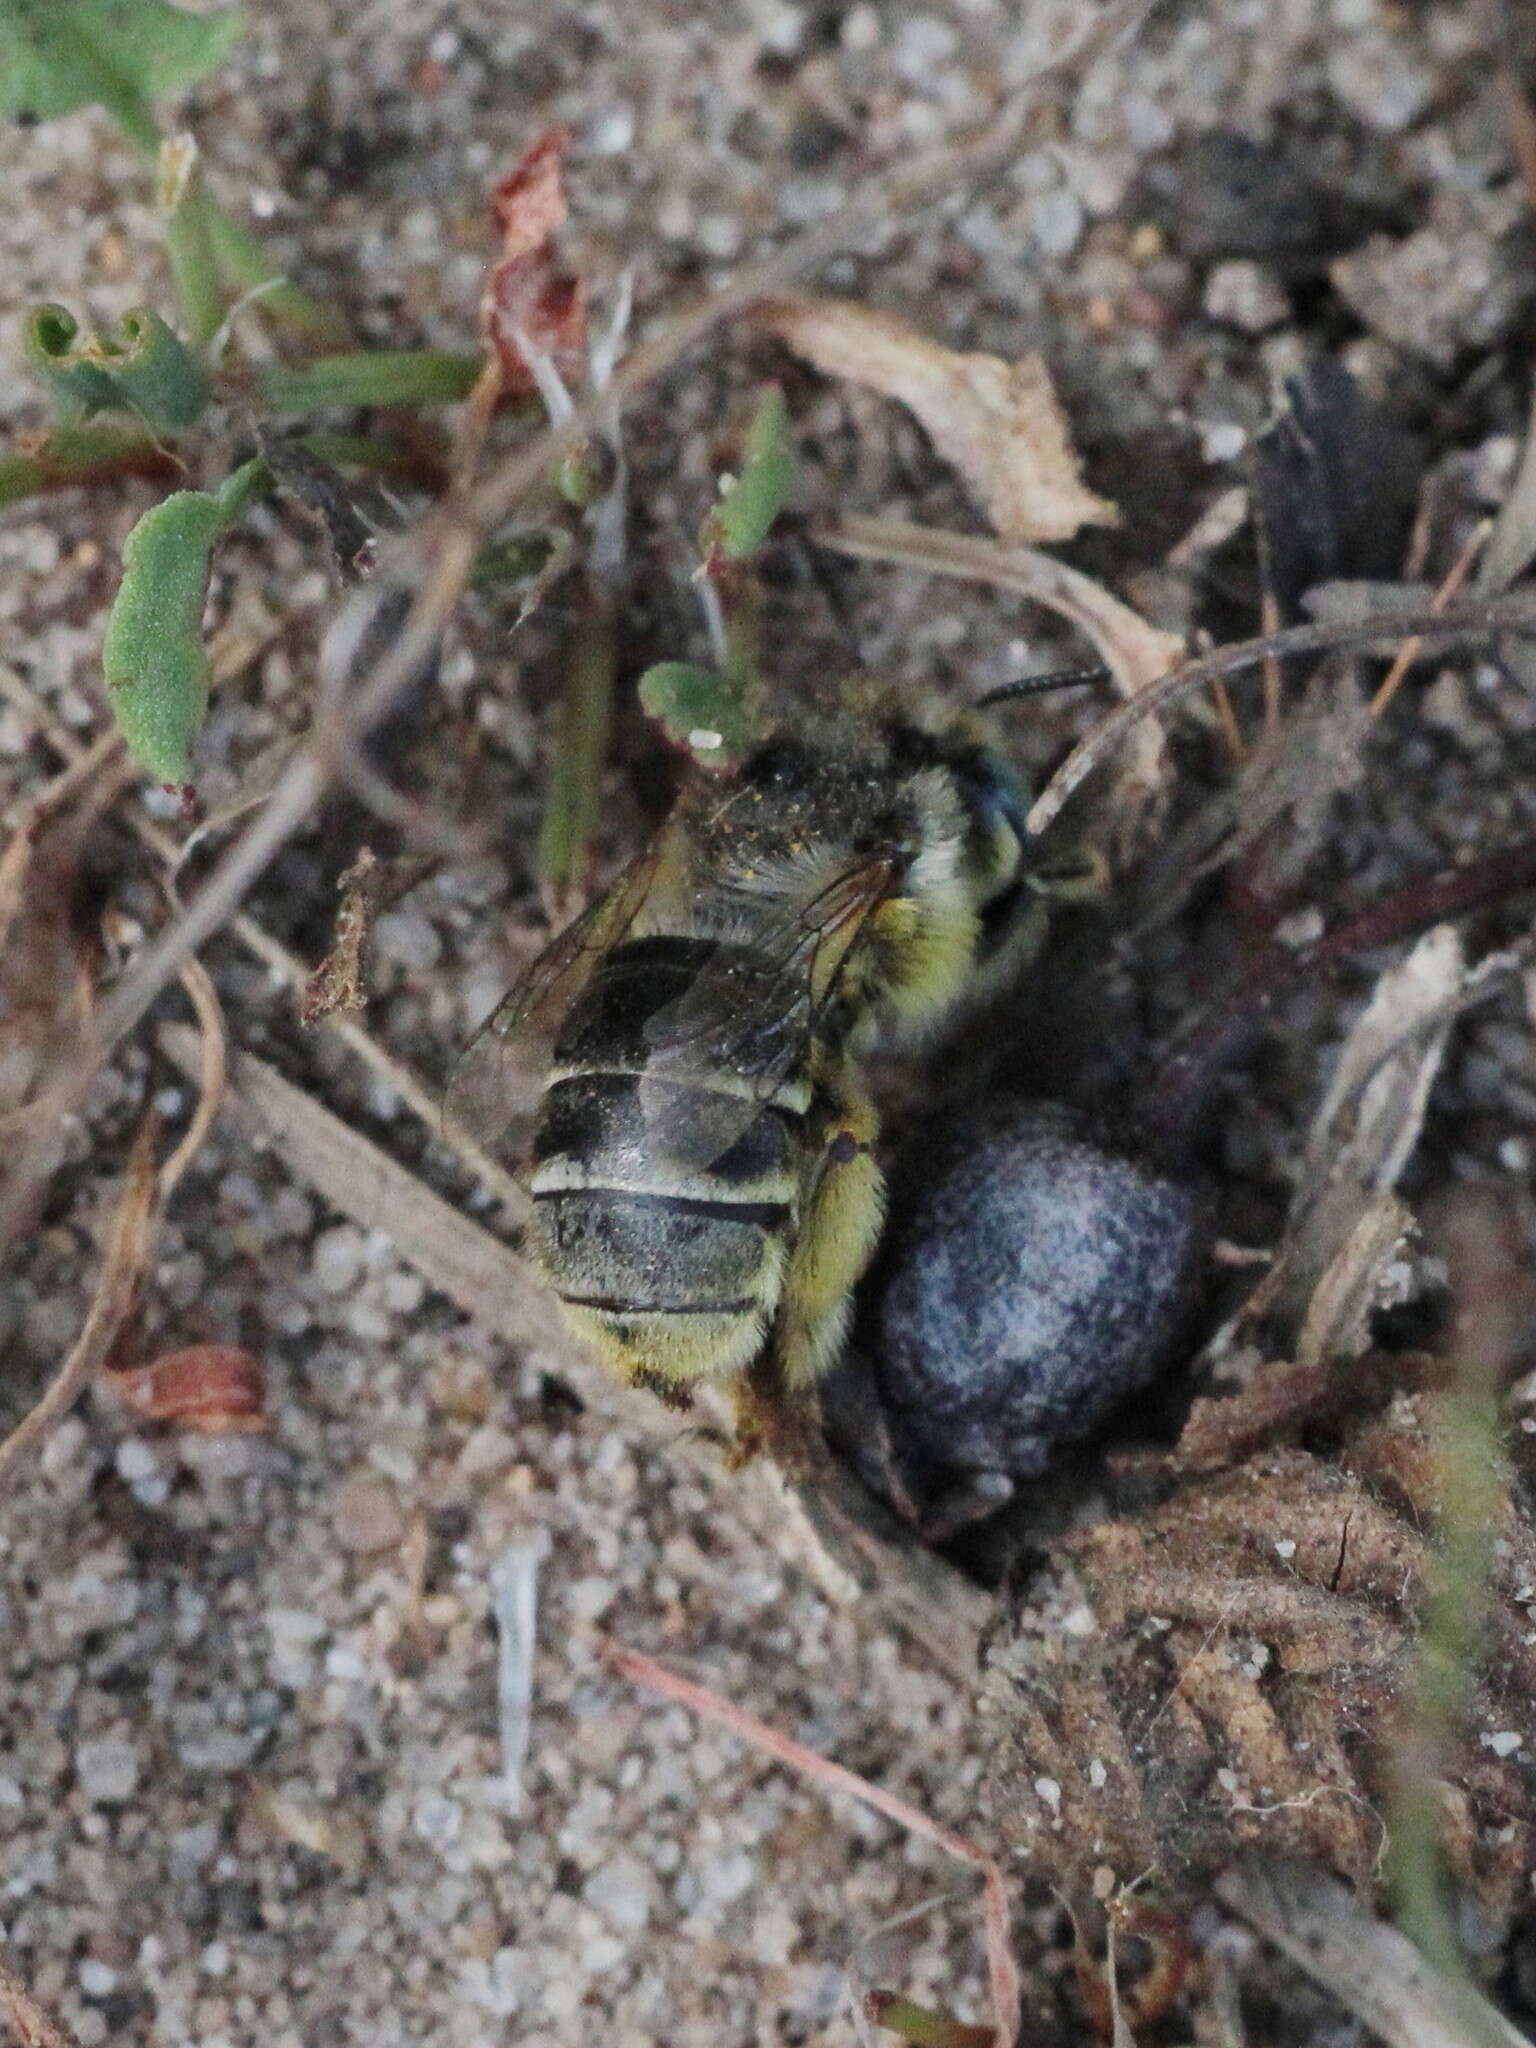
(528, 295)
(215, 1388)
(1280, 1396)
(1000, 424)
(340, 981)
(135, 1226)
(1357, 1280)
(1370, 1118)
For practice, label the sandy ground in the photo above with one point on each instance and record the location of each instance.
(251, 1784)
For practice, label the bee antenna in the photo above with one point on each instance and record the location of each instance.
(1040, 686)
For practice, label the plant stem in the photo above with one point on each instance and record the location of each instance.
(572, 799)
(387, 458)
(412, 376)
(1481, 1245)
(920, 2026)
(188, 246)
(80, 455)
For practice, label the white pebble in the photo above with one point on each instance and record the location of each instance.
(135, 1461)
(438, 1820)
(409, 939)
(621, 1890)
(97, 1980)
(107, 1770)
(338, 1258)
(1056, 220)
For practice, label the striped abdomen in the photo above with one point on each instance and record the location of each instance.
(668, 1268)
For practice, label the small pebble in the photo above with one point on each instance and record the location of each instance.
(621, 1889)
(366, 1517)
(1245, 295)
(338, 1258)
(107, 1770)
(97, 1980)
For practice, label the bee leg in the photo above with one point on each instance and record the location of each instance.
(767, 1422)
(671, 1393)
(839, 1227)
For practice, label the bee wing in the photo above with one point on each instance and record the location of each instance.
(741, 1032)
(498, 1076)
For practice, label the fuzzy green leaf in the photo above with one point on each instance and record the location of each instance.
(57, 55)
(751, 502)
(699, 710)
(152, 657)
(143, 368)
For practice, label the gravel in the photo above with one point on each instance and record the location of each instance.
(250, 1764)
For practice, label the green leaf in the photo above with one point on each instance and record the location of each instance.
(143, 368)
(57, 55)
(403, 376)
(188, 246)
(699, 710)
(751, 502)
(152, 657)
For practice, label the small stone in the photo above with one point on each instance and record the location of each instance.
(1245, 295)
(107, 1770)
(338, 1258)
(1453, 286)
(135, 1461)
(621, 1890)
(724, 1878)
(366, 1517)
(438, 1820)
(97, 1980)
(409, 938)
(1056, 220)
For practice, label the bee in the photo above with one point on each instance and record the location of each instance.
(705, 1190)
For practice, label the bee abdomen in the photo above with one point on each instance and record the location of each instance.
(667, 1267)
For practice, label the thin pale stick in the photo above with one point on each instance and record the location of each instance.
(212, 1074)
(1269, 622)
(1226, 718)
(117, 1287)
